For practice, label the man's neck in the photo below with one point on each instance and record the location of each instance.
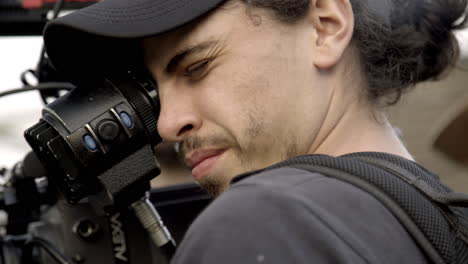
(357, 130)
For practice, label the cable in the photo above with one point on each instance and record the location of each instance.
(23, 76)
(50, 249)
(26, 240)
(2, 255)
(57, 7)
(39, 87)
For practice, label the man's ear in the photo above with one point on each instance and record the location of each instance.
(334, 25)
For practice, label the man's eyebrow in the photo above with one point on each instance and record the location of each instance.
(181, 55)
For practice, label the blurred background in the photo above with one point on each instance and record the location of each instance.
(422, 116)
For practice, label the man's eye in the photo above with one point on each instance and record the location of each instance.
(197, 67)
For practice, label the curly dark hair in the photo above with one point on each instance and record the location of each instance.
(401, 42)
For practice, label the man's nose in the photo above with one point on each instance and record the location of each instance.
(177, 119)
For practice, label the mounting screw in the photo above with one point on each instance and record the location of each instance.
(86, 229)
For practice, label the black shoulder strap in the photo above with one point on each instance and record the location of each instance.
(447, 198)
(435, 192)
(423, 220)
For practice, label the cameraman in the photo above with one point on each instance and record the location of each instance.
(244, 84)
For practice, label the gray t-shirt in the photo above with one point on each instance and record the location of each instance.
(289, 215)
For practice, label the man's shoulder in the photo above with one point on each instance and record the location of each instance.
(293, 184)
(284, 177)
(323, 219)
(286, 189)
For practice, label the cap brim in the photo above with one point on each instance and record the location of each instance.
(105, 35)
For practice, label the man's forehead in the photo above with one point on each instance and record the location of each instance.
(211, 27)
(159, 49)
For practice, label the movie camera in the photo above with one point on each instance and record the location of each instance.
(83, 194)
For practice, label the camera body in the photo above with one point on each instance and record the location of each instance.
(95, 147)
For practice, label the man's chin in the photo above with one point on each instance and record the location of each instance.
(214, 186)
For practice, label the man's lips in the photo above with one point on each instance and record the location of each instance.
(200, 161)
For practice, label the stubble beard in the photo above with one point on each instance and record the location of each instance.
(248, 156)
(214, 185)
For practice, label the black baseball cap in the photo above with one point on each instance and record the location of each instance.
(102, 37)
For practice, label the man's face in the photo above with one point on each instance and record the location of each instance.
(238, 92)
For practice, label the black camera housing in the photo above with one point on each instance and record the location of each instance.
(99, 138)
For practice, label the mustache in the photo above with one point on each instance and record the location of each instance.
(197, 142)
